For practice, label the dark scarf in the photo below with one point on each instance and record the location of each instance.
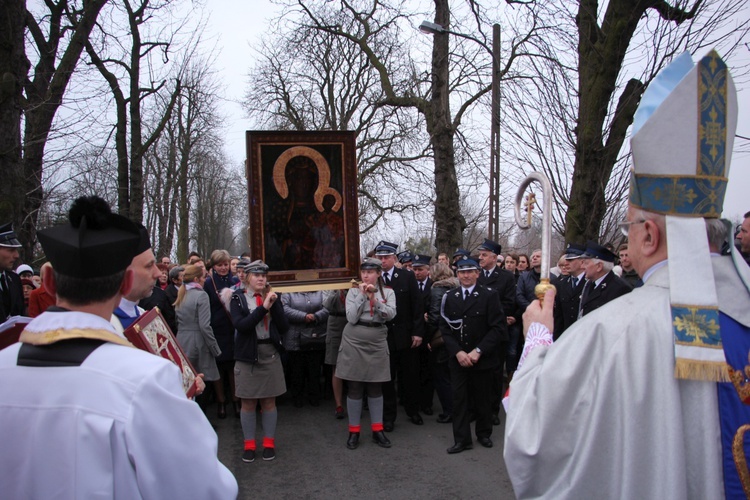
(221, 281)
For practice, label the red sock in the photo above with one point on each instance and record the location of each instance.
(268, 442)
(376, 427)
(355, 428)
(250, 444)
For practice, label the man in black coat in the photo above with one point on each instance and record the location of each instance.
(159, 298)
(421, 269)
(474, 328)
(405, 334)
(569, 289)
(175, 281)
(602, 284)
(11, 295)
(491, 276)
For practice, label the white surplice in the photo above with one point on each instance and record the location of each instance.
(117, 426)
(599, 414)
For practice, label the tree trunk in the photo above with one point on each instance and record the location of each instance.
(44, 96)
(183, 229)
(449, 222)
(601, 51)
(14, 68)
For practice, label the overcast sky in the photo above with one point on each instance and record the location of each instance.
(236, 24)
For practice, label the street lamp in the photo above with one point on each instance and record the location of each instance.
(493, 230)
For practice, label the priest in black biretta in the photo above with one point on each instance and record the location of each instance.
(95, 244)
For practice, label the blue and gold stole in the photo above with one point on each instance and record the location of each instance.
(734, 408)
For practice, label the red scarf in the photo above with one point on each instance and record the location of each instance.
(259, 302)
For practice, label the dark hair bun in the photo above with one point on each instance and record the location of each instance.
(94, 209)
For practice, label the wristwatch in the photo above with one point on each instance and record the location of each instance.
(479, 351)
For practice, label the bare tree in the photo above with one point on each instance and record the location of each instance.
(14, 67)
(218, 205)
(571, 117)
(142, 24)
(458, 77)
(192, 131)
(57, 36)
(308, 79)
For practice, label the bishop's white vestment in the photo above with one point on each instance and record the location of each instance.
(600, 414)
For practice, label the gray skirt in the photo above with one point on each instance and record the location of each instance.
(336, 326)
(264, 379)
(363, 354)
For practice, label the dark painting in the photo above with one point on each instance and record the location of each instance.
(303, 204)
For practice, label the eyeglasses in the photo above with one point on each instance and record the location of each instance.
(625, 226)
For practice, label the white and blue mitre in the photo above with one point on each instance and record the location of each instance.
(683, 134)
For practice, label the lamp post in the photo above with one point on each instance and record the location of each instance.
(493, 228)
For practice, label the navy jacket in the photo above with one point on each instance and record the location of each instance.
(483, 324)
(246, 341)
(409, 320)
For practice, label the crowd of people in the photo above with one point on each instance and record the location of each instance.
(302, 340)
(599, 393)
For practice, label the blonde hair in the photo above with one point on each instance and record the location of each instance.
(441, 271)
(192, 273)
(219, 256)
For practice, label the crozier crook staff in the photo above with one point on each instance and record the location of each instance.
(544, 283)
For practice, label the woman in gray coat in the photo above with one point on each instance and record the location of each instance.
(363, 358)
(194, 324)
(305, 343)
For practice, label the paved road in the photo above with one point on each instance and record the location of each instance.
(312, 460)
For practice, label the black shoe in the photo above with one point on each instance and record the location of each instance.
(458, 448)
(495, 420)
(388, 426)
(237, 408)
(444, 419)
(353, 440)
(269, 454)
(379, 438)
(416, 419)
(427, 411)
(221, 410)
(248, 456)
(485, 441)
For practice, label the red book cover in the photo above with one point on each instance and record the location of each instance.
(151, 333)
(11, 330)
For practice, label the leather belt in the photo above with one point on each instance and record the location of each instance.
(370, 324)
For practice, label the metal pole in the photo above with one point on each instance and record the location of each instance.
(494, 202)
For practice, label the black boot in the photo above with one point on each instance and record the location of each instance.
(221, 410)
(353, 440)
(379, 438)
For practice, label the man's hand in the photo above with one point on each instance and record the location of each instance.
(510, 320)
(540, 313)
(309, 318)
(474, 356)
(464, 360)
(416, 341)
